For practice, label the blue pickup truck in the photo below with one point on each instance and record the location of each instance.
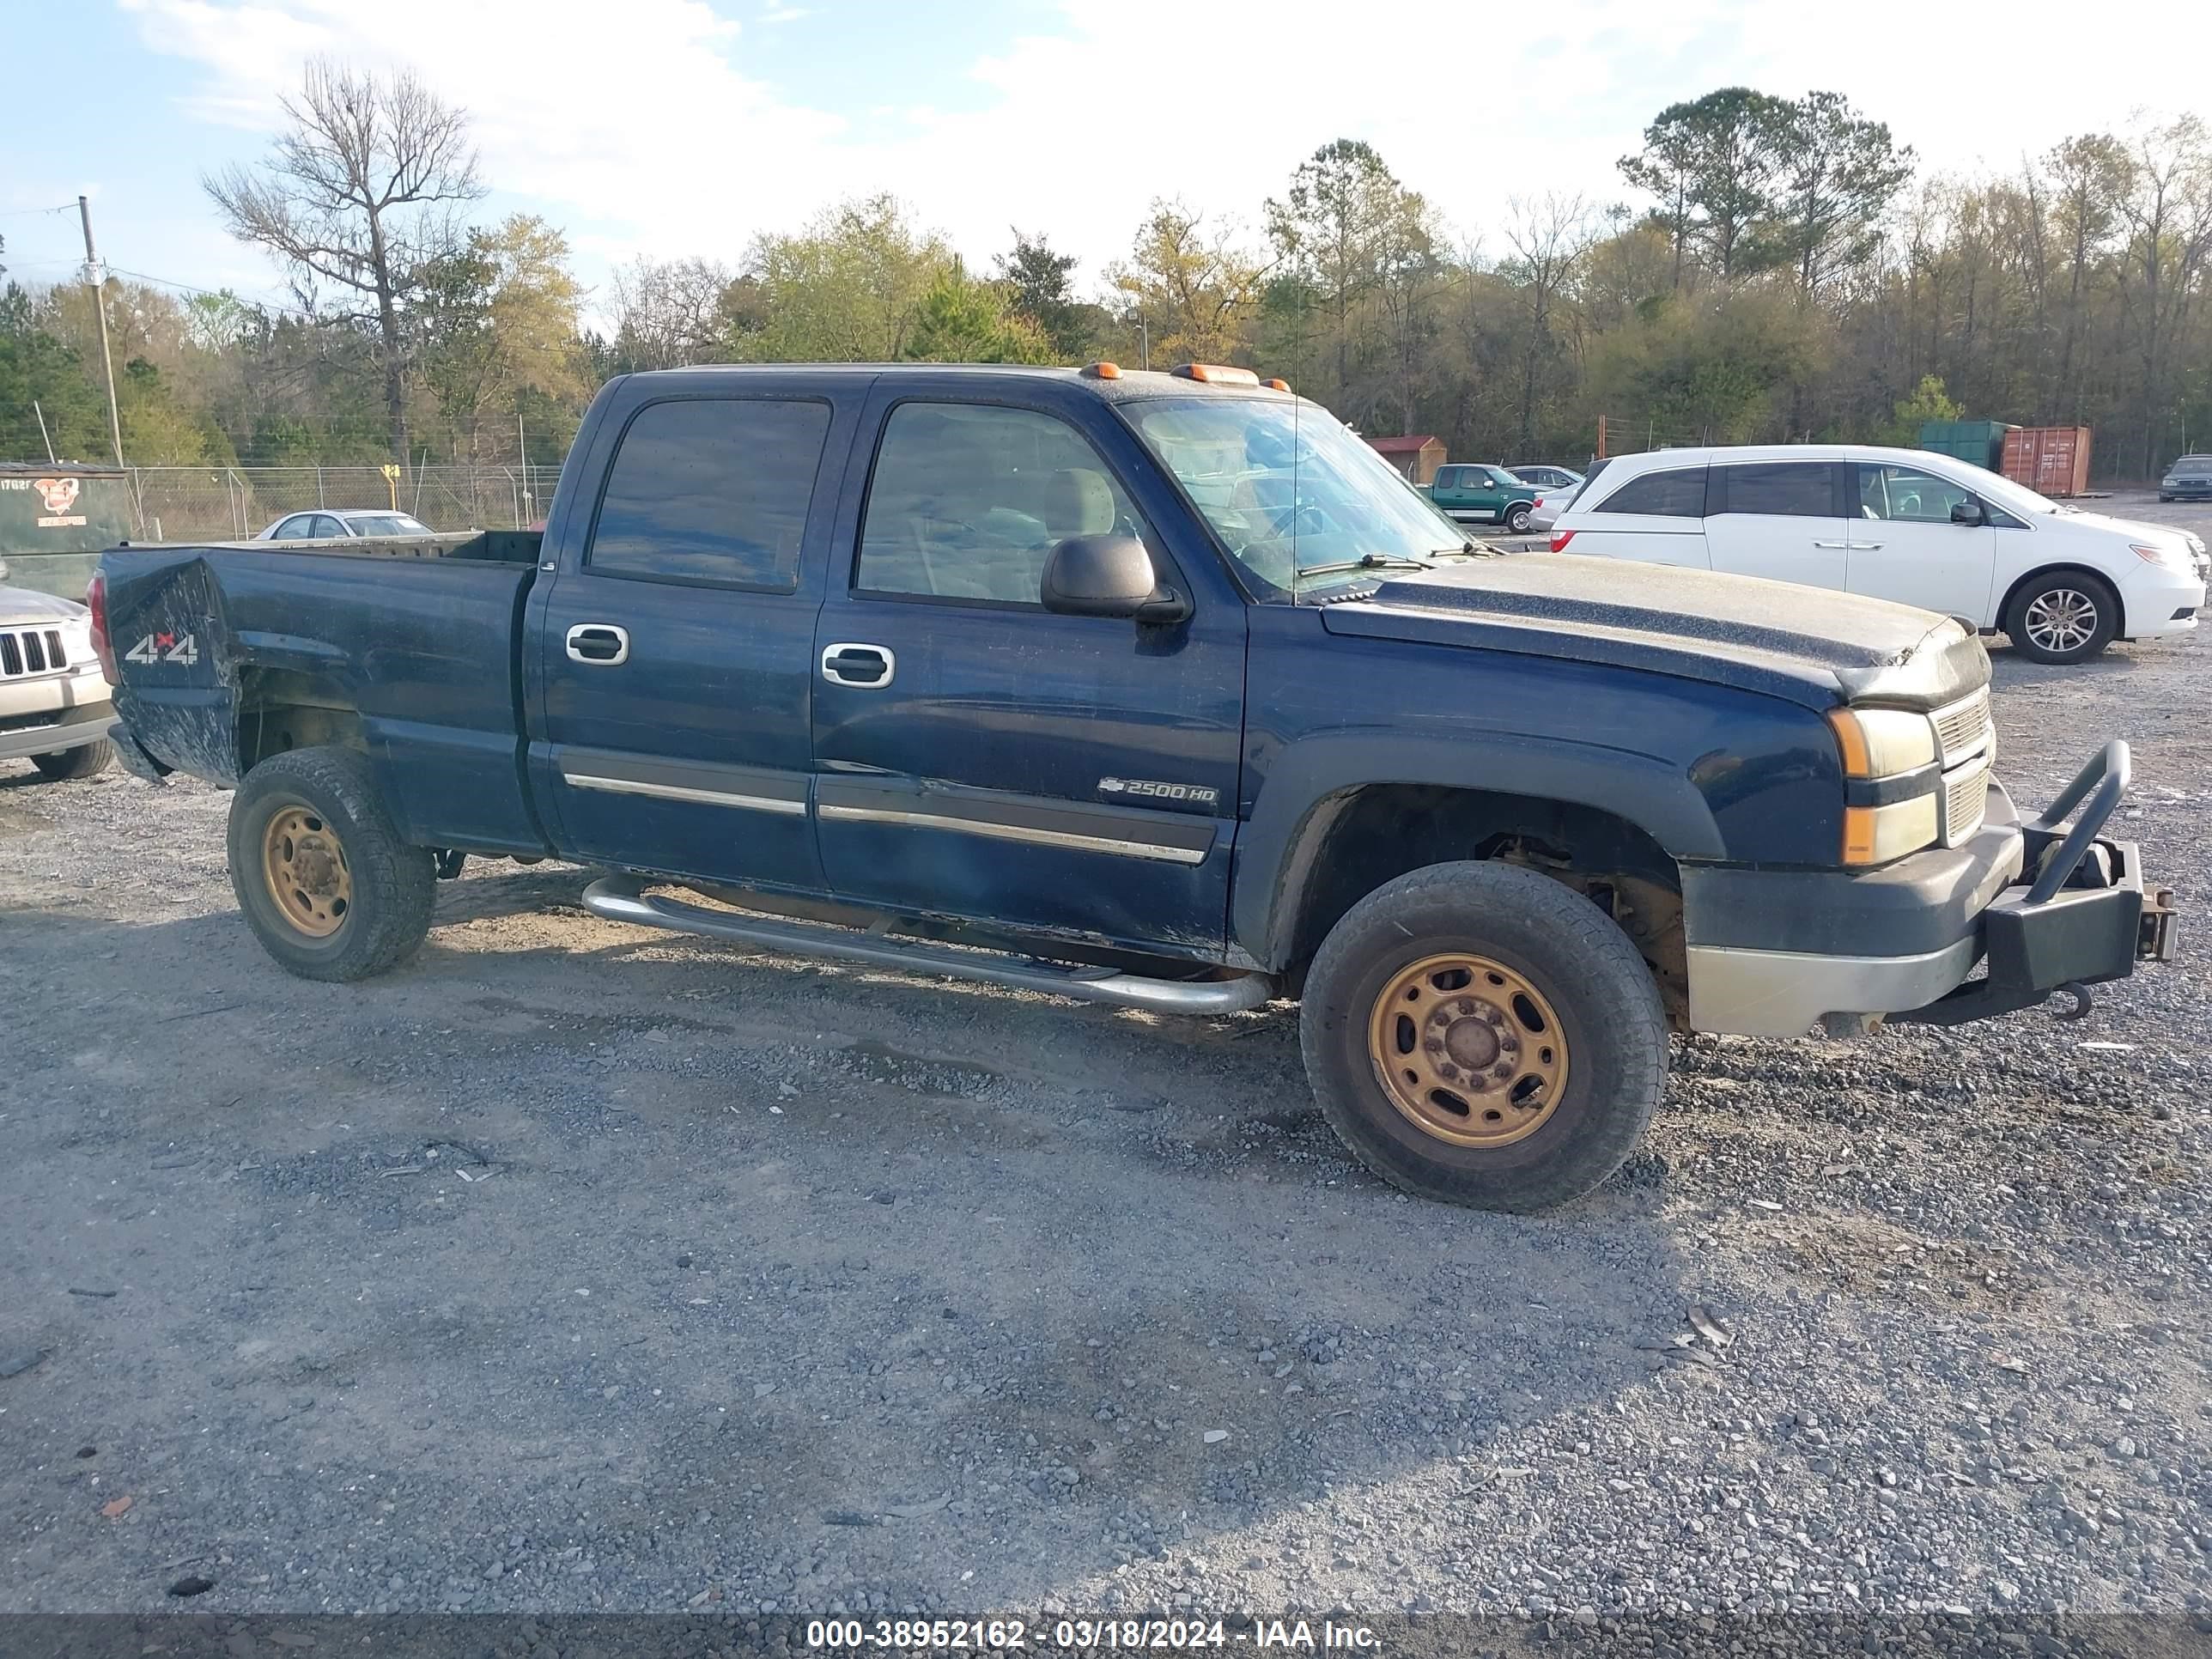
(1152, 689)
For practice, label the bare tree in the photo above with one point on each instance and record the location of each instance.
(1550, 235)
(364, 192)
(669, 313)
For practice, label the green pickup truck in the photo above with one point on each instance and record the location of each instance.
(1490, 494)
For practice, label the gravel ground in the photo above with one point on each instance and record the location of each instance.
(579, 1268)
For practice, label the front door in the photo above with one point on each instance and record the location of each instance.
(980, 757)
(1905, 547)
(1782, 520)
(677, 658)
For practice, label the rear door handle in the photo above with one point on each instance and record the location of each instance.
(1866, 547)
(600, 644)
(868, 667)
(1839, 546)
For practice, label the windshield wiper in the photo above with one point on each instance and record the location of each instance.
(1370, 561)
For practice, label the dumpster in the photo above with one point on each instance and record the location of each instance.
(55, 521)
(2052, 461)
(1981, 442)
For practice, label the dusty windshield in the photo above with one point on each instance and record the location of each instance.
(1284, 483)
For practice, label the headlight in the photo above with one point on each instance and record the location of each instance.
(2167, 558)
(1880, 742)
(1882, 746)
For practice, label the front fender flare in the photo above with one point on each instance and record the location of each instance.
(1276, 847)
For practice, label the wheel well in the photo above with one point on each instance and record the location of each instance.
(2082, 571)
(278, 711)
(1363, 838)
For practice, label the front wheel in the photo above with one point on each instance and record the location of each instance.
(86, 761)
(323, 877)
(1516, 518)
(1479, 1034)
(2067, 617)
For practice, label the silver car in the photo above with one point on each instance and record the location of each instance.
(331, 523)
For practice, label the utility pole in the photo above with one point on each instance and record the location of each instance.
(100, 310)
(522, 443)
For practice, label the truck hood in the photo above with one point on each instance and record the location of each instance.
(1811, 645)
(19, 605)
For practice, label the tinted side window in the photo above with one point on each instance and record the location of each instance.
(967, 500)
(1679, 493)
(712, 489)
(1792, 489)
(294, 528)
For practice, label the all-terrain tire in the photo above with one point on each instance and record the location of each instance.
(390, 885)
(87, 760)
(1535, 930)
(2041, 604)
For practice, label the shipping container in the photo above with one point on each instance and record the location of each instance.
(55, 521)
(2052, 461)
(1981, 442)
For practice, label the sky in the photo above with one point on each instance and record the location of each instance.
(670, 128)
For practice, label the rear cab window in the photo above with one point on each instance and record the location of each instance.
(712, 491)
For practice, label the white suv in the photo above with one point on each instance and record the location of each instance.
(1896, 524)
(55, 705)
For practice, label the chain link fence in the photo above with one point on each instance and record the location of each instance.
(229, 503)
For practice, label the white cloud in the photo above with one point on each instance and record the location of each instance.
(649, 134)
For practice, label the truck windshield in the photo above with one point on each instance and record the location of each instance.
(1286, 484)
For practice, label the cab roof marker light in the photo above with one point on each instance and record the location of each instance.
(1216, 374)
(1278, 383)
(1101, 370)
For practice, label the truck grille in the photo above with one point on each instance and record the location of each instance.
(1966, 799)
(28, 651)
(1963, 728)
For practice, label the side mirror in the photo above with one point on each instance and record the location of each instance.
(1108, 576)
(1968, 511)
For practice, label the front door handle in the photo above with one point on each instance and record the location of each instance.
(1837, 546)
(600, 644)
(868, 667)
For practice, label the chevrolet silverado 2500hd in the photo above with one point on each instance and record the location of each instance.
(1153, 689)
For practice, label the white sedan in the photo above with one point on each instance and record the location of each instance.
(331, 523)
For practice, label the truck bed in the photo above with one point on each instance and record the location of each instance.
(410, 646)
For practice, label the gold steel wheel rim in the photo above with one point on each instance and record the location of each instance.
(305, 866)
(1468, 1050)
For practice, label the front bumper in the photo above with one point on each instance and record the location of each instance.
(2043, 905)
(67, 724)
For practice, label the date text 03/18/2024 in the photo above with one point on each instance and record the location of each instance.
(1088, 1635)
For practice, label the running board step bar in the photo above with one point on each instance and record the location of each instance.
(622, 898)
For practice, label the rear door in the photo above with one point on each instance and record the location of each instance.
(1783, 519)
(1905, 547)
(1449, 492)
(980, 757)
(676, 657)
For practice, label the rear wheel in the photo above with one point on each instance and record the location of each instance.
(321, 875)
(1479, 1034)
(2065, 618)
(86, 760)
(1516, 517)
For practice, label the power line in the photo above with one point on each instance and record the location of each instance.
(26, 213)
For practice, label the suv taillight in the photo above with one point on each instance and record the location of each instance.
(1560, 540)
(96, 597)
